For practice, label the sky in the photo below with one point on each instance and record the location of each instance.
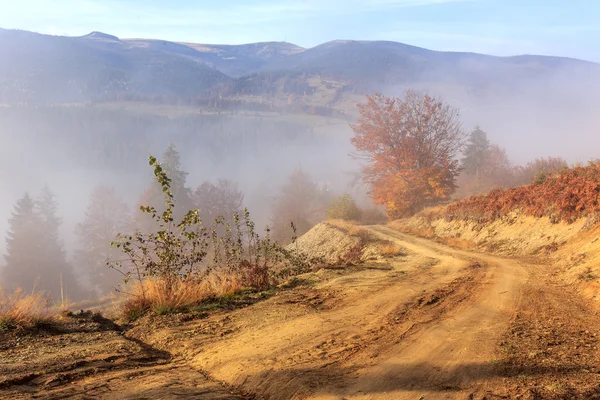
(500, 27)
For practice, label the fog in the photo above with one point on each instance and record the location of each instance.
(540, 116)
(41, 149)
(73, 148)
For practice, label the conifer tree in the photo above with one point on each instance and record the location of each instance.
(57, 273)
(476, 152)
(105, 216)
(153, 196)
(23, 246)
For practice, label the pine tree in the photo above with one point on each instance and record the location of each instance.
(59, 278)
(476, 152)
(171, 162)
(23, 246)
(105, 216)
(153, 196)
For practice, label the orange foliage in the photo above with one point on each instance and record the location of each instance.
(567, 196)
(410, 145)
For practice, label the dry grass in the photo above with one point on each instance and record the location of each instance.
(457, 243)
(163, 296)
(22, 310)
(352, 229)
(389, 249)
(425, 231)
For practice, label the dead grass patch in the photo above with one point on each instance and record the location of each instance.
(22, 310)
(352, 229)
(389, 249)
(425, 231)
(167, 295)
(456, 242)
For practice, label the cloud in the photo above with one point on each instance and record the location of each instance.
(202, 13)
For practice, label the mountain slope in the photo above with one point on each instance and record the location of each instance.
(239, 60)
(384, 63)
(42, 68)
(98, 66)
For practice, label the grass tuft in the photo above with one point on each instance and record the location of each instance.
(26, 311)
(389, 249)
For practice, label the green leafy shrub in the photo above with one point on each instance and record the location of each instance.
(182, 264)
(344, 207)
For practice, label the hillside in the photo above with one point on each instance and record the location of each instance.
(102, 67)
(430, 322)
(554, 219)
(37, 68)
(240, 60)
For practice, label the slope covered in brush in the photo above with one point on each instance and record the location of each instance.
(567, 196)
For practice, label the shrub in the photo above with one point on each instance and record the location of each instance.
(571, 194)
(389, 249)
(181, 264)
(344, 207)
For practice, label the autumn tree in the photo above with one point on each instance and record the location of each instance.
(497, 170)
(218, 199)
(105, 216)
(410, 146)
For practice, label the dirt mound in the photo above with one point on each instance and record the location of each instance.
(345, 243)
(327, 242)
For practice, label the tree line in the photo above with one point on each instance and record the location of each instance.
(411, 147)
(36, 259)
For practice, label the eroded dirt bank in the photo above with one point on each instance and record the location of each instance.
(431, 323)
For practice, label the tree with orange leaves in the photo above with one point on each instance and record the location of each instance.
(410, 145)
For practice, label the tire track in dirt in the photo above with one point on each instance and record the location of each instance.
(432, 334)
(451, 355)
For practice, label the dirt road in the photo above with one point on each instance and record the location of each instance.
(432, 323)
(429, 321)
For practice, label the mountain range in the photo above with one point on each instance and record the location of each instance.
(41, 69)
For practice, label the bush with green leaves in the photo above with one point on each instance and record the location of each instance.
(344, 207)
(188, 250)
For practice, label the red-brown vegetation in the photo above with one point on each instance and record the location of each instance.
(571, 194)
(410, 145)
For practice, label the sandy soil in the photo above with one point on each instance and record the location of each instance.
(432, 323)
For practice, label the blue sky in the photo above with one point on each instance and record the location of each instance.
(501, 27)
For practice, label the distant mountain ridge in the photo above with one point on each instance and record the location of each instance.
(98, 66)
